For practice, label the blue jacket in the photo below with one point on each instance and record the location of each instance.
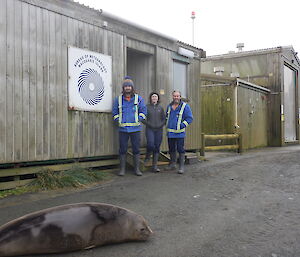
(178, 120)
(128, 114)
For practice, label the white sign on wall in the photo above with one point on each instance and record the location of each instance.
(89, 80)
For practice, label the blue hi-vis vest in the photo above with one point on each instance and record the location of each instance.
(135, 124)
(177, 130)
(177, 121)
(136, 114)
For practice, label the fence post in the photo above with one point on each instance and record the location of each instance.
(240, 139)
(202, 150)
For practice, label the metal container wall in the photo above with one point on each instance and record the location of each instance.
(35, 123)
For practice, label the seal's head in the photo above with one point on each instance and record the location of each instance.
(141, 231)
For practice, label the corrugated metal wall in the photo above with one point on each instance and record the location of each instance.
(35, 122)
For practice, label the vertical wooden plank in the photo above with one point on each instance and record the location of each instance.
(39, 85)
(52, 85)
(85, 35)
(71, 117)
(58, 85)
(80, 35)
(10, 73)
(105, 42)
(46, 67)
(25, 81)
(99, 40)
(77, 134)
(64, 81)
(92, 129)
(92, 36)
(80, 133)
(86, 135)
(18, 83)
(33, 82)
(3, 61)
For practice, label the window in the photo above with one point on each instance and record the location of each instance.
(180, 77)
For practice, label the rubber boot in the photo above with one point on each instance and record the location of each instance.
(181, 163)
(122, 164)
(154, 163)
(136, 162)
(172, 164)
(147, 157)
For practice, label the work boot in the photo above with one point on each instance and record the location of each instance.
(122, 164)
(136, 162)
(154, 163)
(181, 163)
(147, 157)
(172, 164)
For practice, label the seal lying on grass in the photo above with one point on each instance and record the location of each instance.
(71, 227)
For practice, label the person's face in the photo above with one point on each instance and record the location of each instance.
(154, 99)
(176, 97)
(128, 89)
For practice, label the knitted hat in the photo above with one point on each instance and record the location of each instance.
(128, 82)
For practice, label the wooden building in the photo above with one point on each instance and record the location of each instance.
(231, 105)
(276, 69)
(36, 121)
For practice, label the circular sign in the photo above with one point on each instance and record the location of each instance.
(91, 86)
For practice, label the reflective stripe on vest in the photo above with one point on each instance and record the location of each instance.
(178, 130)
(136, 117)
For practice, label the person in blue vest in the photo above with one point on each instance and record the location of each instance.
(179, 116)
(129, 110)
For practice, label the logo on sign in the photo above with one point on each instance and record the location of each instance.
(89, 80)
(90, 86)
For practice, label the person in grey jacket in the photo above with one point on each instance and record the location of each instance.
(154, 122)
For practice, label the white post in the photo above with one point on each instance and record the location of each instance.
(193, 32)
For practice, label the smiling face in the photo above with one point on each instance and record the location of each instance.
(128, 89)
(176, 97)
(154, 99)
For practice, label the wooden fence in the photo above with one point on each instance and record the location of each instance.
(236, 146)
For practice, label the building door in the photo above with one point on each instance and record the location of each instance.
(289, 107)
(140, 66)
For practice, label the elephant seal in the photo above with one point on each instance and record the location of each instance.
(71, 227)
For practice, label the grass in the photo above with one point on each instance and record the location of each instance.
(75, 177)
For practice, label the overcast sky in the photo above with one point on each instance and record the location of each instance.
(219, 24)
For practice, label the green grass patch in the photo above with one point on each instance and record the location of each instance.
(17, 191)
(75, 177)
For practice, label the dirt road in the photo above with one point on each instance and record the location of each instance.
(238, 205)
